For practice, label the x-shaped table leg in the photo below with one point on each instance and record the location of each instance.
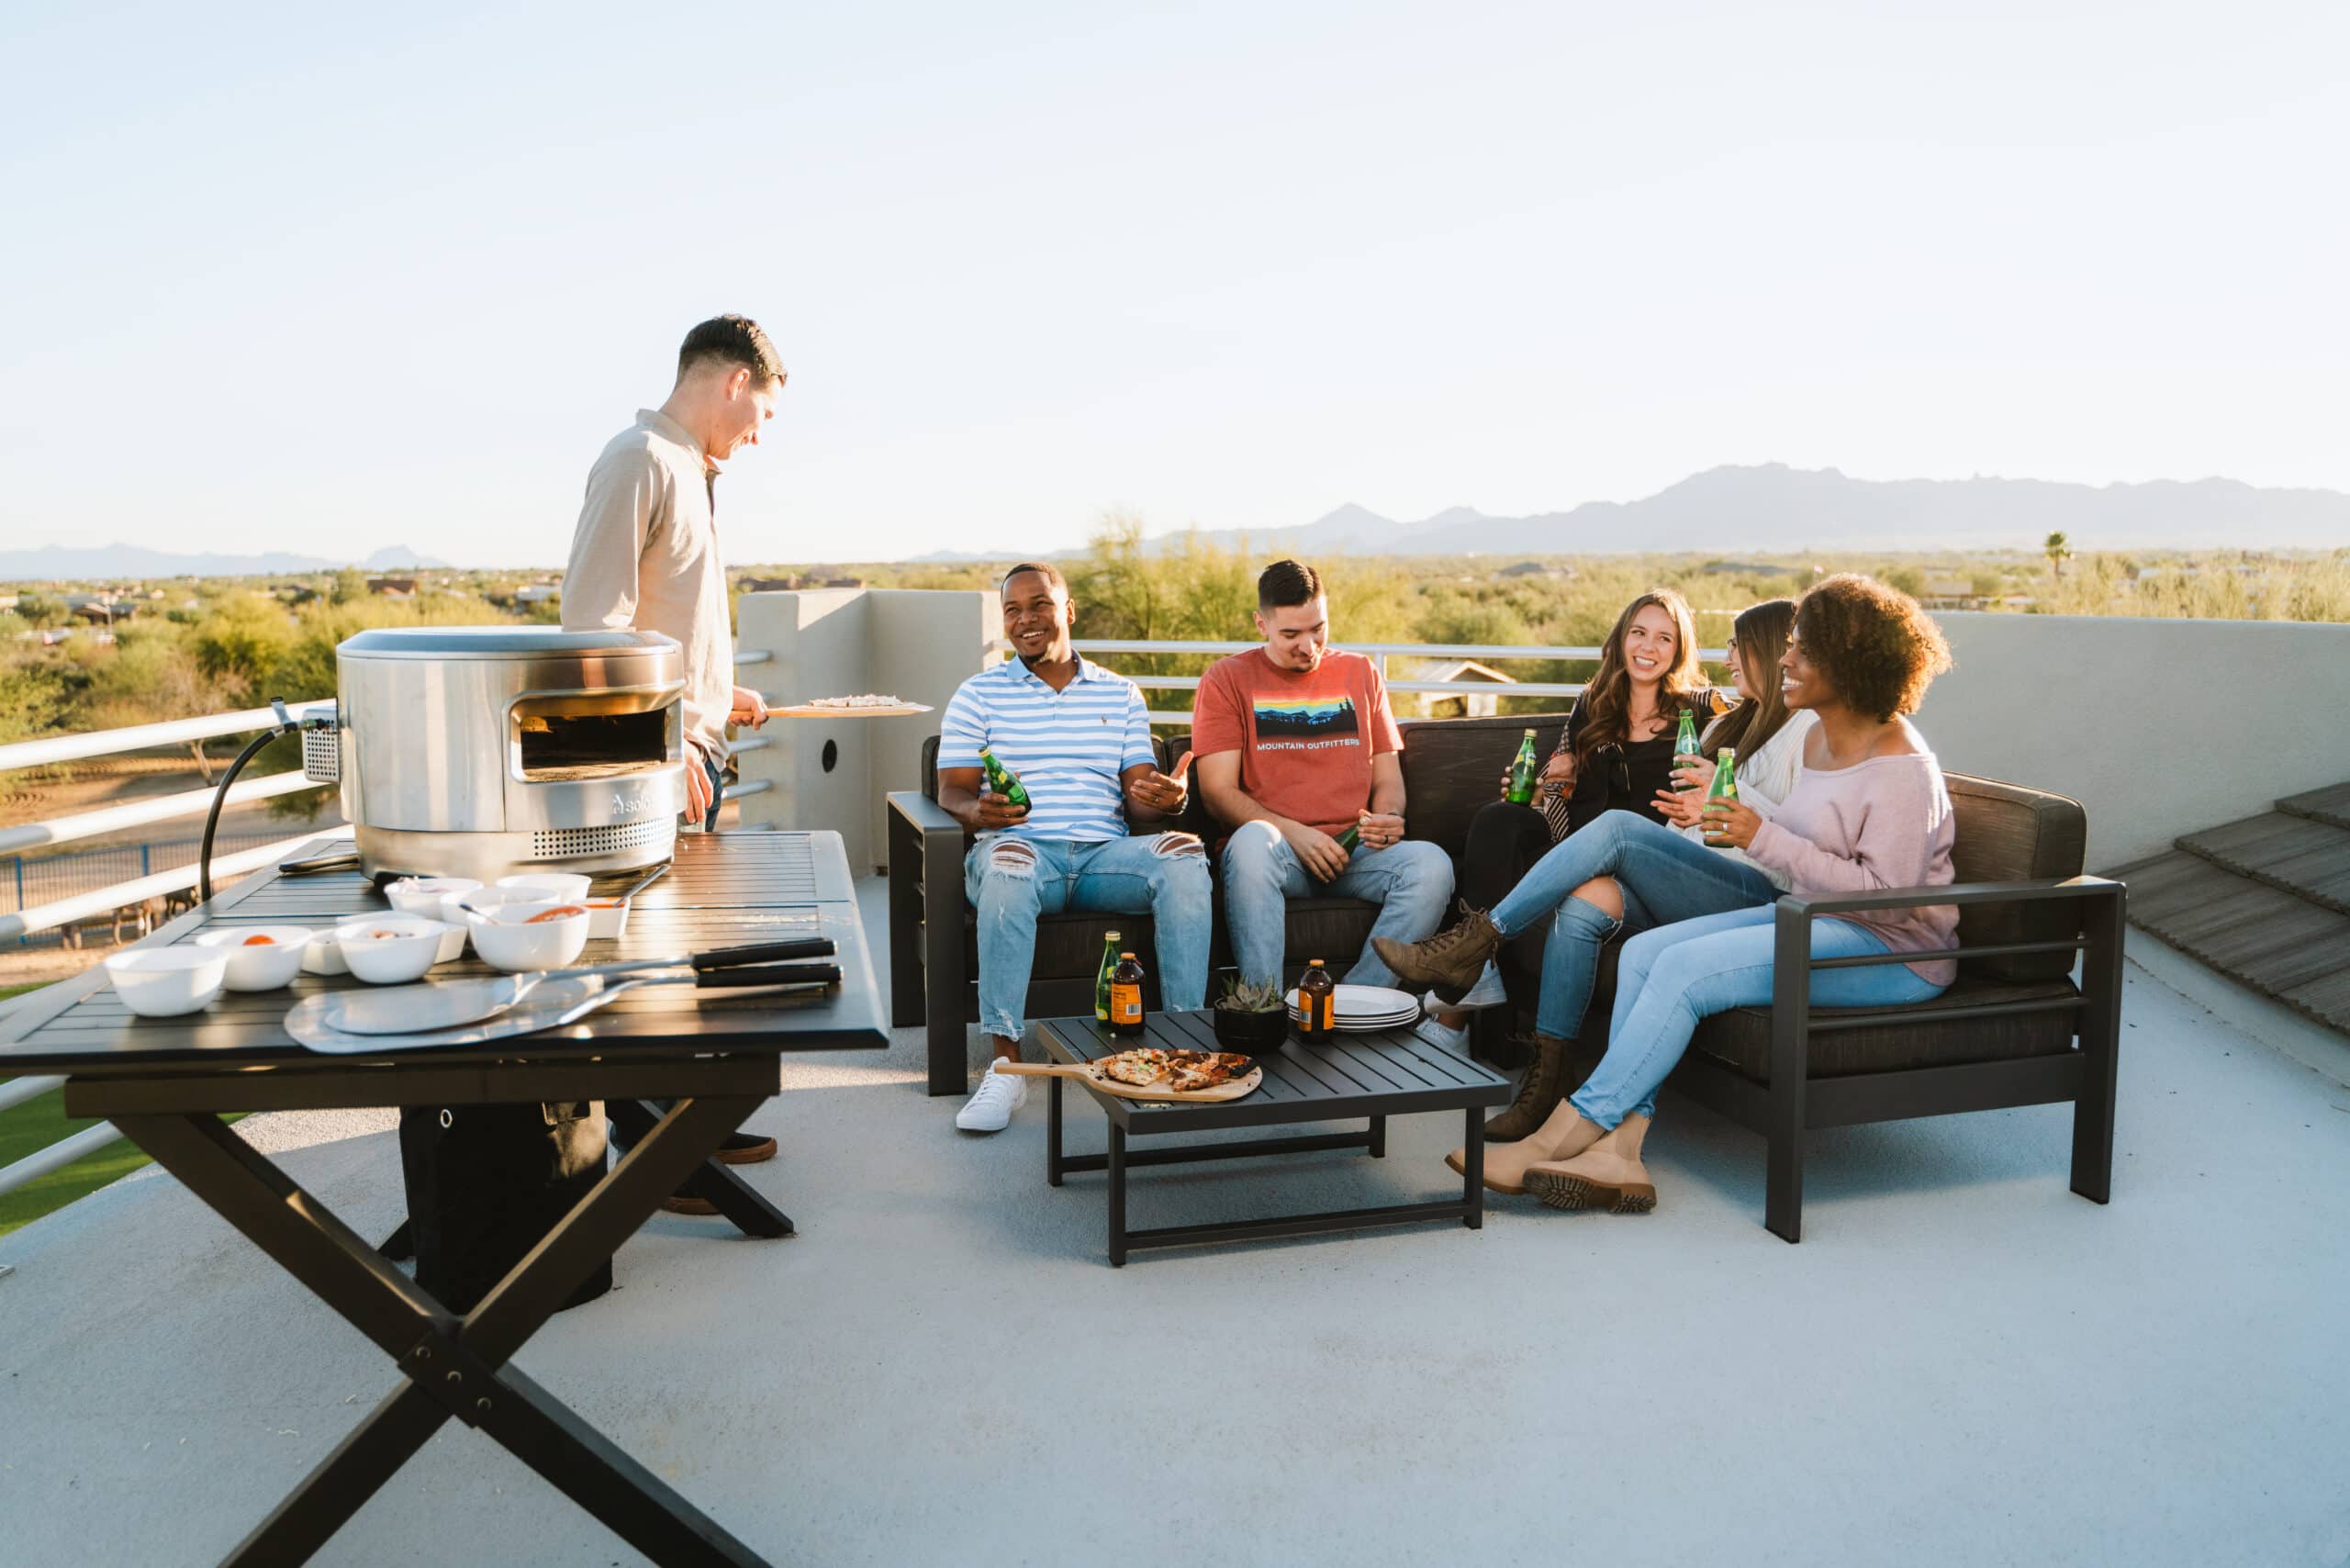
(457, 1365)
(711, 1181)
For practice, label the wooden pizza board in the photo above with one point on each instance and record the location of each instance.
(808, 710)
(1092, 1077)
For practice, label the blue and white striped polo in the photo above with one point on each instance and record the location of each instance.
(1069, 748)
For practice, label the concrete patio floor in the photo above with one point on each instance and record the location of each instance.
(1963, 1363)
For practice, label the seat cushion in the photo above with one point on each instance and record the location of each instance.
(1741, 1037)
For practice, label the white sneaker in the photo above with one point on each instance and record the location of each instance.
(989, 1108)
(1442, 1038)
(1488, 991)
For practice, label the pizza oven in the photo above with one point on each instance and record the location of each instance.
(480, 751)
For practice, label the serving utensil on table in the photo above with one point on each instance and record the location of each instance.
(437, 1005)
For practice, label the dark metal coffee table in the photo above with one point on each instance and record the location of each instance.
(1369, 1076)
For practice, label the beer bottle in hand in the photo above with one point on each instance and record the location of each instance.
(1101, 978)
(1001, 781)
(1317, 999)
(1524, 770)
(1724, 788)
(1125, 996)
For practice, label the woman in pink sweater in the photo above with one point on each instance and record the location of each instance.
(1867, 812)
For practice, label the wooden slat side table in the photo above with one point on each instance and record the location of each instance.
(1369, 1076)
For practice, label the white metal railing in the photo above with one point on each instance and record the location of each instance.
(142, 737)
(1380, 653)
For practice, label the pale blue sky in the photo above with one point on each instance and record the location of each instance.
(326, 278)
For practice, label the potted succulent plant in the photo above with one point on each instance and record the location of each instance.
(1252, 1019)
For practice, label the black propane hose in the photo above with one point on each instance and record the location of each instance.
(286, 723)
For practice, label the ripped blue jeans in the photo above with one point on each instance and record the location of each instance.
(1665, 877)
(1012, 880)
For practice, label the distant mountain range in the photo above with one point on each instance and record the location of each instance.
(55, 562)
(1773, 508)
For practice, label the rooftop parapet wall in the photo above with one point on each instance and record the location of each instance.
(2158, 727)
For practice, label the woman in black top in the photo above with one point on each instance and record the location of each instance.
(1616, 754)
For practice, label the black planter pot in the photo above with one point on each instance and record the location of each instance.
(1251, 1034)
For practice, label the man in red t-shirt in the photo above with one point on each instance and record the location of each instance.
(1296, 749)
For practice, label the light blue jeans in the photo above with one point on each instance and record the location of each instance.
(1669, 978)
(1665, 877)
(1012, 881)
(1411, 882)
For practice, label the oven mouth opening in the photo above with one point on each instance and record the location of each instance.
(554, 746)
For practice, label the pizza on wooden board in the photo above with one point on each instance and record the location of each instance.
(1183, 1070)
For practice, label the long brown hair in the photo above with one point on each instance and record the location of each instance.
(1760, 633)
(1607, 700)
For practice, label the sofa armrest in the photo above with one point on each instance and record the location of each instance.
(925, 909)
(2039, 890)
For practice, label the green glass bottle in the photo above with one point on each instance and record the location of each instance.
(1349, 839)
(1524, 770)
(1725, 786)
(1001, 781)
(1685, 745)
(1101, 978)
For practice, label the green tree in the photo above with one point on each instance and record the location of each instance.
(2058, 550)
(349, 586)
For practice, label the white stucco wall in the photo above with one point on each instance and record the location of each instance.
(2157, 727)
(844, 642)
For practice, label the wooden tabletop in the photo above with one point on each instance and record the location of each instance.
(722, 891)
(1393, 1072)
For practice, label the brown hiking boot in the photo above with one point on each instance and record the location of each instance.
(1452, 958)
(1563, 1134)
(1537, 1092)
(1607, 1175)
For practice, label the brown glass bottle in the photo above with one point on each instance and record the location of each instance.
(1125, 996)
(1317, 999)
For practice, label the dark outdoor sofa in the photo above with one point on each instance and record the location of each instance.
(2014, 1029)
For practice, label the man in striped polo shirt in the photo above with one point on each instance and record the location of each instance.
(1078, 738)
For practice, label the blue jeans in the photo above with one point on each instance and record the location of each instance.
(1665, 877)
(1013, 881)
(1671, 978)
(1411, 882)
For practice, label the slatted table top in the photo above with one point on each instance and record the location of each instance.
(722, 891)
(1393, 1072)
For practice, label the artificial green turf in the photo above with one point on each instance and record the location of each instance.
(37, 1123)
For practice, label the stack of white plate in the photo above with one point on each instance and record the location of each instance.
(1366, 1009)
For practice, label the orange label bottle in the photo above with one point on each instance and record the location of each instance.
(1125, 996)
(1317, 998)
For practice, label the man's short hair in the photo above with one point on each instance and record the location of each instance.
(1052, 575)
(1287, 583)
(731, 341)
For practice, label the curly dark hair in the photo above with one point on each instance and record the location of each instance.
(1878, 649)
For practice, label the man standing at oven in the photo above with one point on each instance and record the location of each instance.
(645, 552)
(645, 555)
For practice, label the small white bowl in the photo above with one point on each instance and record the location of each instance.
(607, 919)
(507, 940)
(427, 896)
(163, 982)
(259, 965)
(322, 955)
(563, 887)
(391, 950)
(481, 901)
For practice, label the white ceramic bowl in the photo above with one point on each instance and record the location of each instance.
(322, 955)
(481, 901)
(163, 982)
(567, 887)
(391, 950)
(427, 896)
(507, 940)
(607, 919)
(259, 965)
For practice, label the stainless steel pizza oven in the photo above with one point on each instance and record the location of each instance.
(477, 751)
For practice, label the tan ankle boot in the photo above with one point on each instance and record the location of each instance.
(1453, 958)
(1563, 1134)
(1537, 1092)
(1607, 1175)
